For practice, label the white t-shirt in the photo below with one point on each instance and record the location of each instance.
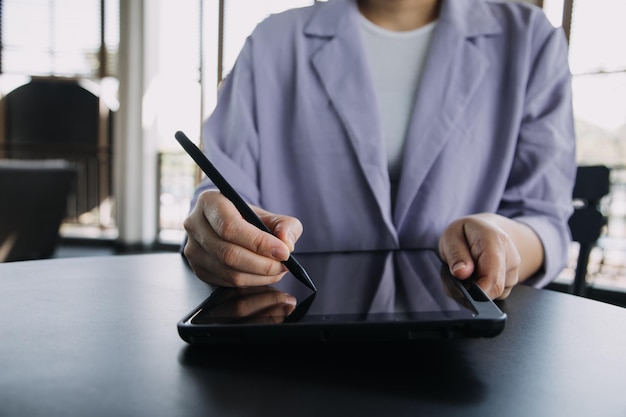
(396, 61)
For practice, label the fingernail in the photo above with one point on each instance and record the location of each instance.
(291, 241)
(457, 266)
(280, 253)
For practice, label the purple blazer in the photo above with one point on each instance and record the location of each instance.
(296, 129)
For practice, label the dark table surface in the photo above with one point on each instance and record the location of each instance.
(97, 337)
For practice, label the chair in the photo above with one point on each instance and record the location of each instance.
(33, 203)
(70, 125)
(587, 221)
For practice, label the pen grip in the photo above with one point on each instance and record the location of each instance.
(244, 209)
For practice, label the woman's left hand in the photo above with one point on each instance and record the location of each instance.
(478, 246)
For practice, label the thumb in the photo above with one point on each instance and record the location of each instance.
(286, 228)
(455, 252)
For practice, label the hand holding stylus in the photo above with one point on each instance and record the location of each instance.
(224, 249)
(233, 244)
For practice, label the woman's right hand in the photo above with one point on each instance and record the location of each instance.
(224, 249)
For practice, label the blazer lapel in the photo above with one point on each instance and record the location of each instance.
(341, 66)
(453, 71)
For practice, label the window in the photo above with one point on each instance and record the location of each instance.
(63, 51)
(59, 37)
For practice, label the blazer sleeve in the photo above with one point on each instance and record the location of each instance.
(539, 189)
(229, 135)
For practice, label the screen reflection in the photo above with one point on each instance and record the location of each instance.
(354, 286)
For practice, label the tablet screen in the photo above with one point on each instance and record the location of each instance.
(355, 287)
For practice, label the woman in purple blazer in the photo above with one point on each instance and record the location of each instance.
(379, 124)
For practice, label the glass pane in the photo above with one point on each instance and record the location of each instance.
(173, 102)
(25, 24)
(597, 36)
(75, 63)
(76, 25)
(554, 11)
(600, 111)
(176, 187)
(56, 37)
(112, 35)
(240, 19)
(174, 96)
(26, 62)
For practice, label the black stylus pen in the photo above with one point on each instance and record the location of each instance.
(229, 192)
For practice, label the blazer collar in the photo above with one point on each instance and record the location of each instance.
(454, 69)
(343, 71)
(452, 73)
(330, 18)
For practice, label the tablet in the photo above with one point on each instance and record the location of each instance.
(362, 296)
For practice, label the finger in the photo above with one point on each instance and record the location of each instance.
(505, 294)
(286, 228)
(454, 250)
(224, 249)
(218, 262)
(230, 226)
(512, 272)
(215, 273)
(212, 270)
(498, 264)
(491, 272)
(235, 248)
